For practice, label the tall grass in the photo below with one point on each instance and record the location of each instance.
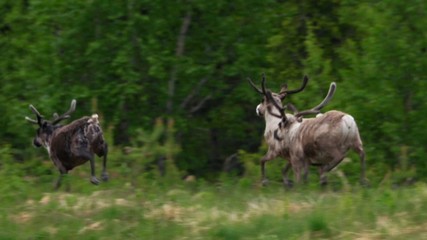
(204, 211)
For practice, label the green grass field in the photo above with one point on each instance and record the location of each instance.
(198, 210)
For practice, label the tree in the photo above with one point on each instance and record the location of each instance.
(386, 73)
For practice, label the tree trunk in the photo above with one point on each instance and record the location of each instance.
(179, 52)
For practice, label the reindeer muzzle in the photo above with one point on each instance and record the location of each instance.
(36, 143)
(258, 112)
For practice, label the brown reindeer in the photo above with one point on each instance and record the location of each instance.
(73, 144)
(322, 141)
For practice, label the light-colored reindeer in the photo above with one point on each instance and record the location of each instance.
(322, 141)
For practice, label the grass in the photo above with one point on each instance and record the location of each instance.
(197, 210)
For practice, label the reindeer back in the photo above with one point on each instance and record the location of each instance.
(76, 143)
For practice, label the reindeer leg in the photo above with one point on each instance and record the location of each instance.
(301, 173)
(93, 178)
(58, 182)
(263, 178)
(286, 181)
(305, 173)
(338, 157)
(333, 164)
(85, 154)
(264, 159)
(322, 176)
(62, 171)
(104, 174)
(299, 166)
(361, 152)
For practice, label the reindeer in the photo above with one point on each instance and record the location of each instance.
(71, 145)
(322, 141)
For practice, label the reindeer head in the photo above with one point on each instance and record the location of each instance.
(46, 127)
(272, 102)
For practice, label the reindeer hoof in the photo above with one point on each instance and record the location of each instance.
(94, 180)
(104, 177)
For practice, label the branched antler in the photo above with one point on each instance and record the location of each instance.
(56, 117)
(38, 115)
(325, 101)
(284, 91)
(66, 115)
(262, 90)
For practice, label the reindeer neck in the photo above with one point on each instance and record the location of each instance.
(271, 123)
(47, 141)
(286, 129)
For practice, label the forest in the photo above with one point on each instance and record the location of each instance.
(169, 82)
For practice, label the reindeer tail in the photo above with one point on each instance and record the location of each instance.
(93, 119)
(94, 134)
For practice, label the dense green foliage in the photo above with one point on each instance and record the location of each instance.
(168, 79)
(186, 63)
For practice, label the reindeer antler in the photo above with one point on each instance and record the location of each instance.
(38, 115)
(56, 117)
(270, 98)
(255, 87)
(262, 90)
(325, 101)
(284, 91)
(31, 120)
(66, 115)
